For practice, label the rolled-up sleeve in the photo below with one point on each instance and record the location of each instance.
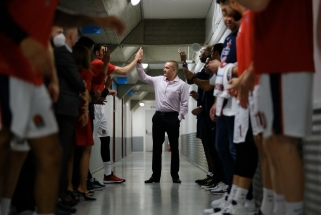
(184, 102)
(142, 75)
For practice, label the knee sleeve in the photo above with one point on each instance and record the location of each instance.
(246, 159)
(104, 148)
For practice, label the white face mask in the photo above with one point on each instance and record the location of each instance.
(59, 40)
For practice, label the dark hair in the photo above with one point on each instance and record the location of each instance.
(86, 41)
(97, 48)
(218, 47)
(222, 1)
(81, 57)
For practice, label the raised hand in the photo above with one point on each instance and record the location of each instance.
(106, 55)
(182, 54)
(139, 55)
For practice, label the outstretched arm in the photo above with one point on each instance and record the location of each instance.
(67, 18)
(255, 5)
(126, 69)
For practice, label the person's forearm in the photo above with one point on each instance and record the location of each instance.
(204, 84)
(126, 69)
(255, 5)
(67, 18)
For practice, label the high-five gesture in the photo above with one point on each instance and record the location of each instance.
(139, 55)
(182, 55)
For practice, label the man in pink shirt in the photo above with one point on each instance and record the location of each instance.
(171, 95)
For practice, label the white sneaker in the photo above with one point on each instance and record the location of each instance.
(250, 206)
(224, 208)
(220, 189)
(237, 209)
(218, 186)
(208, 211)
(217, 202)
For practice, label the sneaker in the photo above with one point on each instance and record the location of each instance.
(236, 209)
(250, 206)
(112, 179)
(223, 209)
(202, 180)
(217, 202)
(207, 180)
(93, 185)
(219, 189)
(210, 182)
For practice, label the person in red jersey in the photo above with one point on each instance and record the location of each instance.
(101, 67)
(26, 112)
(279, 80)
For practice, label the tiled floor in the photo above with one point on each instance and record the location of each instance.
(136, 198)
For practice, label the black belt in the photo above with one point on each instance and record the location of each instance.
(167, 113)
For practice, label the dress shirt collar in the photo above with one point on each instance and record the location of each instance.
(175, 79)
(68, 48)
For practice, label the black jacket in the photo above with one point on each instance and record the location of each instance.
(70, 83)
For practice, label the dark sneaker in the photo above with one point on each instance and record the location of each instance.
(93, 184)
(112, 179)
(201, 181)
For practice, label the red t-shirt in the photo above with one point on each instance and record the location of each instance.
(98, 80)
(36, 18)
(245, 43)
(283, 37)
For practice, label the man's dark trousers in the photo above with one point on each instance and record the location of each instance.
(165, 122)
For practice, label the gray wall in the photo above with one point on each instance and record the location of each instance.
(138, 144)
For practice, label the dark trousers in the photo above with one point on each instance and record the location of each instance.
(168, 123)
(66, 126)
(210, 139)
(225, 146)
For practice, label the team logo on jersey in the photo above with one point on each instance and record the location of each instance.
(103, 131)
(37, 119)
(225, 53)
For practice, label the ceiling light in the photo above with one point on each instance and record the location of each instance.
(135, 2)
(145, 65)
(141, 103)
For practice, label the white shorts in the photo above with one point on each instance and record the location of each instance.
(286, 102)
(100, 122)
(242, 117)
(256, 114)
(27, 110)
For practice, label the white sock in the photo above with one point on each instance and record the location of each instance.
(279, 204)
(107, 168)
(232, 193)
(294, 208)
(267, 201)
(210, 174)
(5, 206)
(240, 195)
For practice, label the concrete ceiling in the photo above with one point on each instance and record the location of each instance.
(159, 26)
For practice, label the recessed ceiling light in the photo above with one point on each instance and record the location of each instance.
(135, 2)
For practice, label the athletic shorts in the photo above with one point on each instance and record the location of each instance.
(26, 109)
(252, 114)
(286, 102)
(100, 122)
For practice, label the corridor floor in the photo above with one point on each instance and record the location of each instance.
(136, 198)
